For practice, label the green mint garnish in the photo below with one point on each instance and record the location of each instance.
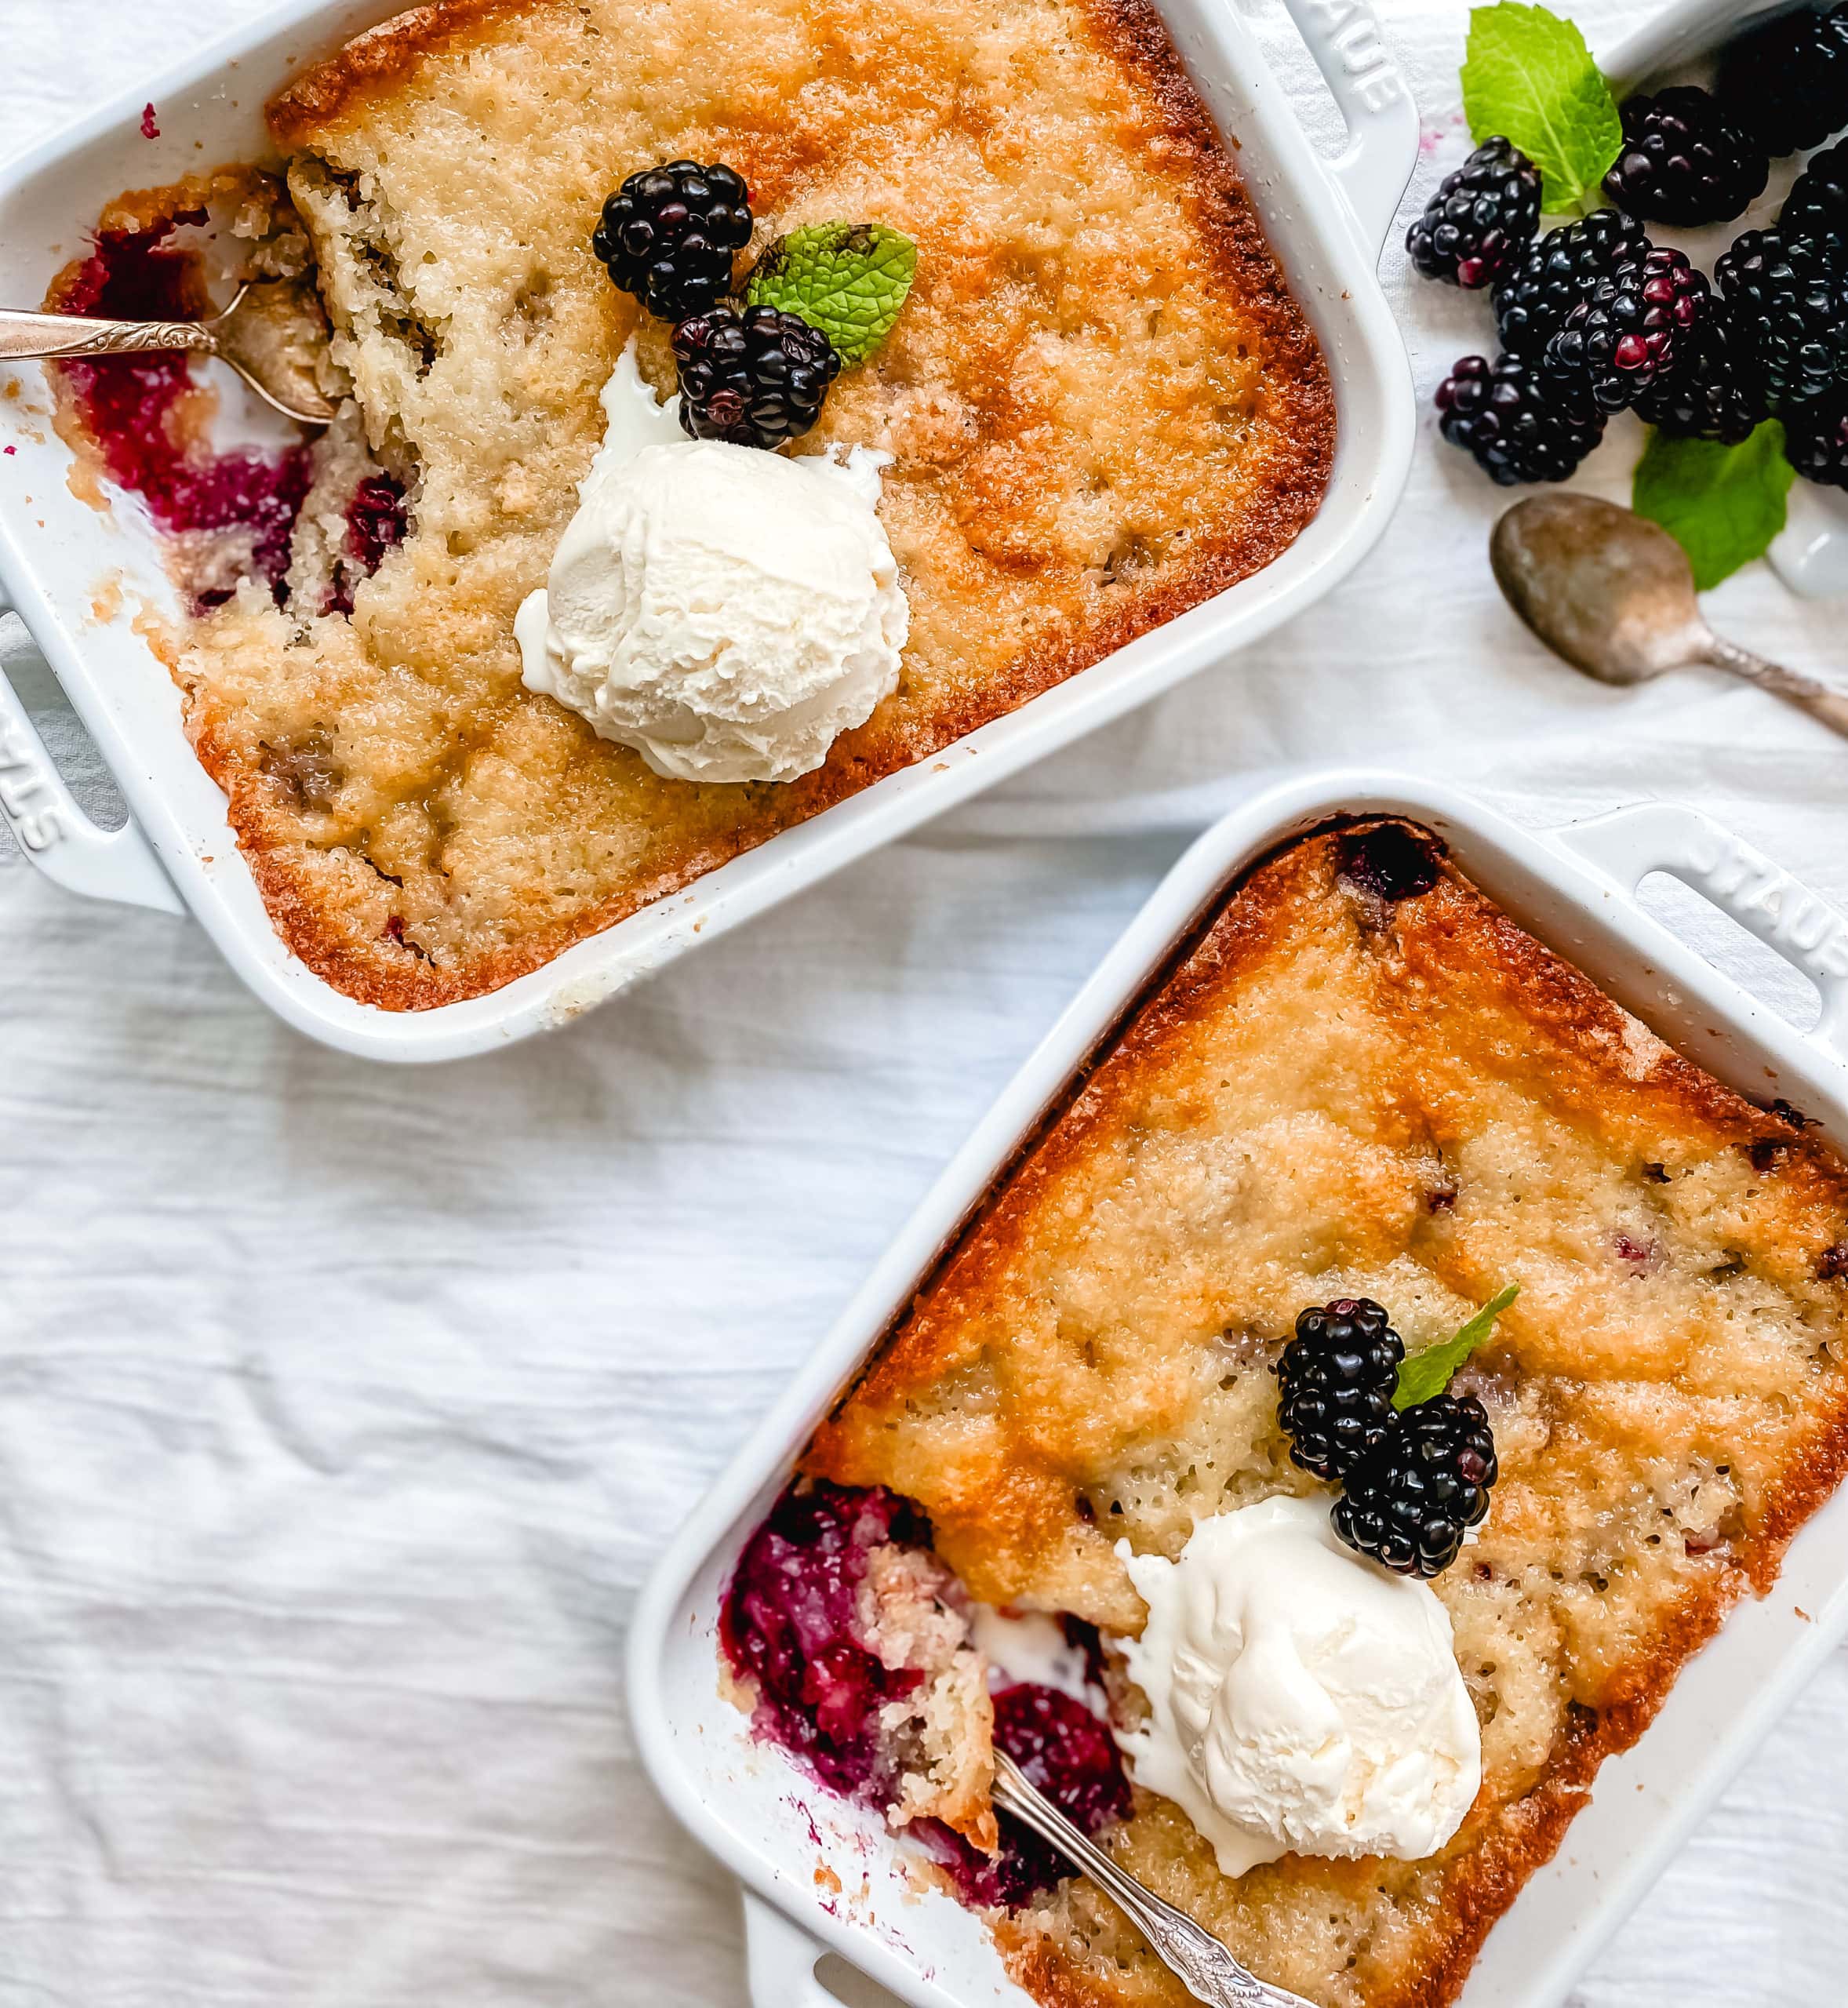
(1529, 75)
(1722, 504)
(848, 279)
(1429, 1373)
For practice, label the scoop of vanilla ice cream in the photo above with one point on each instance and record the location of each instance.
(727, 612)
(1302, 1699)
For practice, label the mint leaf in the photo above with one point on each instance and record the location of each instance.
(848, 279)
(1429, 1373)
(1722, 504)
(1528, 76)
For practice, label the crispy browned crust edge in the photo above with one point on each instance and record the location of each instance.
(1297, 386)
(1234, 933)
(379, 59)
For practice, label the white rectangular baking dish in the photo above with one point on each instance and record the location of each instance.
(822, 1877)
(1326, 219)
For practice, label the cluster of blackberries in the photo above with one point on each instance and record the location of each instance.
(754, 376)
(1594, 318)
(1413, 1482)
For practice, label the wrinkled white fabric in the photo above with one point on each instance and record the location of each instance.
(342, 1411)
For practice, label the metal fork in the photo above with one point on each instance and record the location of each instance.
(1191, 1952)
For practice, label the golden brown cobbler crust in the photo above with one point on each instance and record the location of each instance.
(1329, 1095)
(1105, 405)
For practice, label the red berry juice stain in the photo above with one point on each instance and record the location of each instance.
(131, 406)
(149, 130)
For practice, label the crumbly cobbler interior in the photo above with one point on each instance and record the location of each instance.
(1339, 1093)
(1102, 404)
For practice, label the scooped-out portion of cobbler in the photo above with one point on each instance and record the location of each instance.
(1101, 405)
(1360, 1089)
(853, 1647)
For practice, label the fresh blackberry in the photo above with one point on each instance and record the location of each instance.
(1684, 160)
(1816, 438)
(1557, 271)
(1523, 418)
(1786, 82)
(756, 378)
(1712, 389)
(1817, 207)
(1336, 1379)
(1622, 337)
(1410, 1502)
(1790, 300)
(1475, 225)
(667, 235)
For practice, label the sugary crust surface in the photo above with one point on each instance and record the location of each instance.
(1333, 1095)
(1103, 404)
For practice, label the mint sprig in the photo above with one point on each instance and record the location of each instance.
(1429, 1373)
(1722, 504)
(1528, 76)
(848, 279)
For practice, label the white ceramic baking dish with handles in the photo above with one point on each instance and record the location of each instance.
(821, 1877)
(64, 564)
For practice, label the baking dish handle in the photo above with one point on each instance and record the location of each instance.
(1745, 885)
(45, 819)
(1370, 90)
(780, 1960)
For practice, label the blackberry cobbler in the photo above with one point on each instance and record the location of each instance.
(1390, 1352)
(1100, 406)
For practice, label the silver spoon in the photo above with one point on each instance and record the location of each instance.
(272, 335)
(1190, 1951)
(1614, 595)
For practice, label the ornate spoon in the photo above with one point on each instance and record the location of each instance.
(1614, 595)
(272, 334)
(1191, 1952)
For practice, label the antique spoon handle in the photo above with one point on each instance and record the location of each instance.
(23, 335)
(1203, 1966)
(1829, 707)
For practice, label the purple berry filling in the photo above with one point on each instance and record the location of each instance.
(374, 523)
(1073, 1759)
(132, 406)
(789, 1624)
(1391, 860)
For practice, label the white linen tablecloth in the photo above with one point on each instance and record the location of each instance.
(342, 1411)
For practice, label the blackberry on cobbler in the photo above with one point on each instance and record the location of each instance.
(1621, 337)
(668, 234)
(1392, 861)
(1817, 207)
(756, 378)
(1786, 82)
(1335, 1379)
(1480, 219)
(1790, 298)
(1712, 389)
(1816, 438)
(1684, 160)
(1557, 271)
(1522, 418)
(1409, 1503)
